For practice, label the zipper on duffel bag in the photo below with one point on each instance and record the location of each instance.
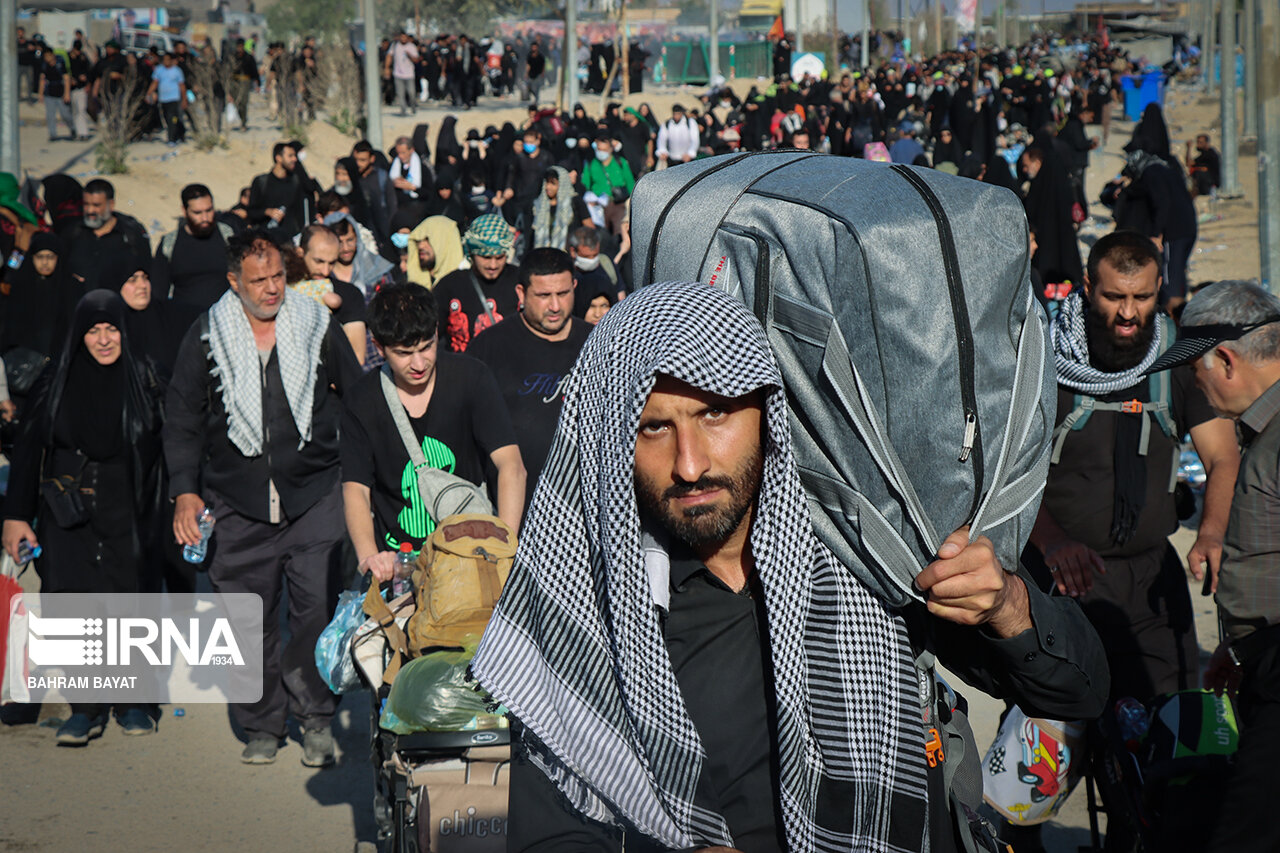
(971, 443)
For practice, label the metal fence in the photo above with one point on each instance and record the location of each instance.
(688, 62)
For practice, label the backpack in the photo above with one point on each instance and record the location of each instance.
(916, 361)
(898, 304)
(168, 241)
(458, 578)
(1158, 411)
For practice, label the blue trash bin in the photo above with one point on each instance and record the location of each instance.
(1140, 90)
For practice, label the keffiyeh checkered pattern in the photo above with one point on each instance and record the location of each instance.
(575, 648)
(302, 325)
(1070, 337)
(489, 235)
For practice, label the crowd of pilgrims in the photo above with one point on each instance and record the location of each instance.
(562, 179)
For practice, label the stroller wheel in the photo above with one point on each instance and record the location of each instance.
(412, 815)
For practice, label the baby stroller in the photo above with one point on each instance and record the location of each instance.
(1167, 770)
(406, 761)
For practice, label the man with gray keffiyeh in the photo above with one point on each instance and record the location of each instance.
(252, 425)
(1110, 503)
(689, 666)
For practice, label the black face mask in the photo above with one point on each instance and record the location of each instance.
(1113, 355)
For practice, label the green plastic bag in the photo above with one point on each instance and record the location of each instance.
(433, 693)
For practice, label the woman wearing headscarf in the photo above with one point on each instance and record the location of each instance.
(580, 124)
(1048, 204)
(37, 310)
(448, 151)
(156, 326)
(87, 471)
(443, 200)
(1152, 136)
(420, 145)
(346, 183)
(63, 196)
(441, 255)
(500, 157)
(946, 149)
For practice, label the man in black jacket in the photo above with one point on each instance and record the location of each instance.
(102, 234)
(280, 199)
(691, 667)
(260, 441)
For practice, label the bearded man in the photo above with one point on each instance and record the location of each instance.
(1109, 508)
(190, 265)
(690, 667)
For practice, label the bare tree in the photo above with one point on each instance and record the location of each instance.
(125, 115)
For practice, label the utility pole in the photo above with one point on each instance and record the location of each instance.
(1227, 100)
(937, 27)
(372, 77)
(866, 34)
(1249, 40)
(10, 156)
(713, 60)
(799, 19)
(569, 55)
(1269, 142)
(1207, 51)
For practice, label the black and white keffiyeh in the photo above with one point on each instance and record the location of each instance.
(1070, 337)
(575, 648)
(301, 328)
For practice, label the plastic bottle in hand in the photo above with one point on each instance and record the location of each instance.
(1133, 721)
(196, 553)
(26, 553)
(402, 582)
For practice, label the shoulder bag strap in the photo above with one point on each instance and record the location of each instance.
(484, 303)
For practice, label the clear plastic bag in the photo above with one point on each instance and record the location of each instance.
(333, 649)
(433, 693)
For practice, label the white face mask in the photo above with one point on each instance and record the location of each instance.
(587, 264)
(603, 155)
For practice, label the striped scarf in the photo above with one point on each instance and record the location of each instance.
(575, 648)
(1070, 335)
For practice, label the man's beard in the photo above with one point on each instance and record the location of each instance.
(95, 220)
(707, 524)
(202, 230)
(428, 264)
(1112, 354)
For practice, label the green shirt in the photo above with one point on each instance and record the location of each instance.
(601, 178)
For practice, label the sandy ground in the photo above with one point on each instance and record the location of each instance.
(184, 786)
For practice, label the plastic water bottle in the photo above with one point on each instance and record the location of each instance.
(26, 553)
(196, 553)
(404, 570)
(1133, 721)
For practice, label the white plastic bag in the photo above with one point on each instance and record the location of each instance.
(1031, 767)
(231, 115)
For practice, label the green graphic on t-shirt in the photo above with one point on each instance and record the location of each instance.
(414, 519)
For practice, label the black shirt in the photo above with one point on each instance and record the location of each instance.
(53, 77)
(90, 254)
(530, 371)
(268, 191)
(1080, 492)
(462, 317)
(713, 636)
(198, 449)
(718, 654)
(465, 421)
(352, 309)
(195, 272)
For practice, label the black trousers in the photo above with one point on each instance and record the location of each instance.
(304, 554)
(171, 113)
(1246, 822)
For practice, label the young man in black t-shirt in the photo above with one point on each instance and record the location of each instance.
(455, 410)
(532, 353)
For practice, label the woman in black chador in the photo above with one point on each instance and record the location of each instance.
(86, 474)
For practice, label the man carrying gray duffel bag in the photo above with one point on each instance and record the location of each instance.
(921, 390)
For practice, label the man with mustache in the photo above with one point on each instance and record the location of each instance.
(690, 667)
(1109, 507)
(190, 264)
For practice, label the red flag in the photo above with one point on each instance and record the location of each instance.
(776, 31)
